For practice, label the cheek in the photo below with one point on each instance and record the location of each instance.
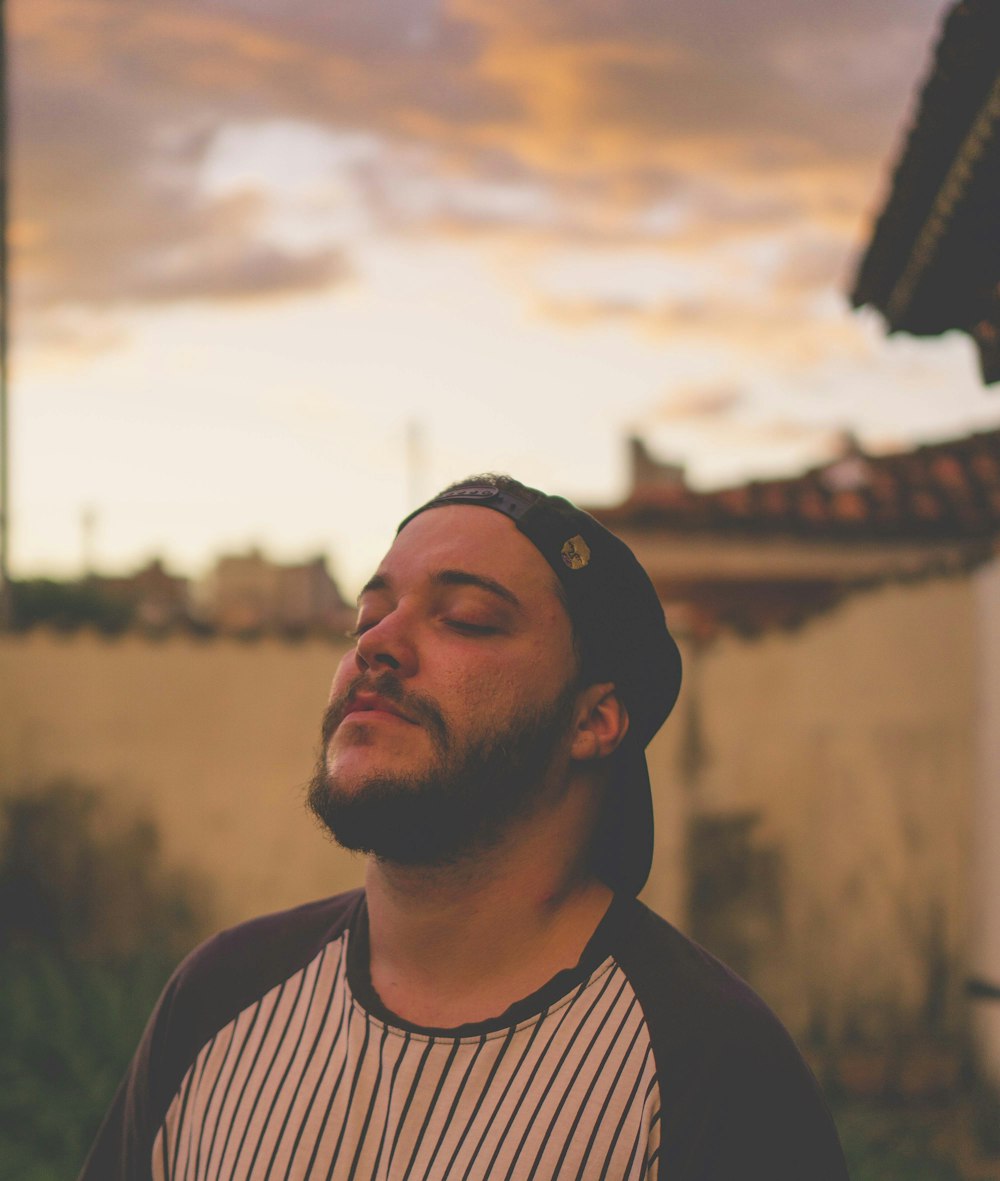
(346, 671)
(553, 660)
(486, 696)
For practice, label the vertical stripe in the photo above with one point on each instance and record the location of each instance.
(240, 1043)
(372, 1101)
(431, 1105)
(601, 1114)
(606, 1171)
(501, 1057)
(527, 1089)
(261, 1041)
(409, 1100)
(585, 1105)
(538, 1026)
(291, 1056)
(565, 1085)
(305, 1084)
(266, 1073)
(386, 1121)
(460, 1091)
(321, 1028)
(180, 1126)
(342, 1024)
(358, 1066)
(207, 1069)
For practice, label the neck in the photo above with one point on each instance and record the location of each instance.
(461, 943)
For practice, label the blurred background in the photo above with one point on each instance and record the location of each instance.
(726, 275)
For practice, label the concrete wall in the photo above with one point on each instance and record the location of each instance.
(840, 756)
(985, 858)
(215, 739)
(852, 741)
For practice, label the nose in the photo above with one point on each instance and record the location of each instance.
(386, 645)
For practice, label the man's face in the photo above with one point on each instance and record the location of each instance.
(452, 714)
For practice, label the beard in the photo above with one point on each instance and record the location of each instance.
(474, 787)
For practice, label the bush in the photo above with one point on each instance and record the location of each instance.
(90, 927)
(67, 606)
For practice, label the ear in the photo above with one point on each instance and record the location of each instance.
(601, 722)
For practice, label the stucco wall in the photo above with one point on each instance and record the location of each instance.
(215, 739)
(985, 899)
(851, 739)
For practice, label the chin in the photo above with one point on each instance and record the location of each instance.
(353, 773)
(397, 819)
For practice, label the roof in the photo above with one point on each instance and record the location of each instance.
(933, 262)
(946, 490)
(774, 552)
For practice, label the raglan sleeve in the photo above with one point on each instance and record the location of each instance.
(737, 1099)
(754, 1109)
(215, 982)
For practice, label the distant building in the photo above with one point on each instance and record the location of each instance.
(250, 593)
(773, 553)
(156, 598)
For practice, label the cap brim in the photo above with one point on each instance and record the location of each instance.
(624, 846)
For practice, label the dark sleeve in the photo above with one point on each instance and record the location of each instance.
(737, 1099)
(208, 990)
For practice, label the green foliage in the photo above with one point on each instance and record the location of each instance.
(90, 927)
(67, 1030)
(986, 1118)
(76, 879)
(67, 606)
(886, 1143)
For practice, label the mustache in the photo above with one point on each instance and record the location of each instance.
(415, 705)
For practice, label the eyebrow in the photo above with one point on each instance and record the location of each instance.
(379, 582)
(376, 583)
(466, 578)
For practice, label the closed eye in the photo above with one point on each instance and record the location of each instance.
(471, 629)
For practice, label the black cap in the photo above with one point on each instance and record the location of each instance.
(622, 635)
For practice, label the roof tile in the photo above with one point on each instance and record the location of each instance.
(949, 489)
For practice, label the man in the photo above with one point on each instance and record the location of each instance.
(496, 1003)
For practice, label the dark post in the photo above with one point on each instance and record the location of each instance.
(6, 606)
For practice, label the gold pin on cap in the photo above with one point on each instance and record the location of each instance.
(575, 553)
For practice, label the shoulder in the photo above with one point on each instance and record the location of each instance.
(262, 951)
(733, 1085)
(230, 972)
(681, 985)
(210, 988)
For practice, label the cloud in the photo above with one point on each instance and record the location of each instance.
(713, 427)
(662, 125)
(813, 261)
(767, 83)
(107, 206)
(722, 443)
(697, 403)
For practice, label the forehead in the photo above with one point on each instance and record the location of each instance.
(478, 540)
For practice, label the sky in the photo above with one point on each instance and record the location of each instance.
(280, 271)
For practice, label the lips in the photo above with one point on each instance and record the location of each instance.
(370, 703)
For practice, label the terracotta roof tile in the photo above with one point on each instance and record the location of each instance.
(941, 490)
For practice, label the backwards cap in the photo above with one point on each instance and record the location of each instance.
(622, 635)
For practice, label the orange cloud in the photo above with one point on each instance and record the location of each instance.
(610, 113)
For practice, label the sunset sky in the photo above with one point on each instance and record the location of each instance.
(279, 268)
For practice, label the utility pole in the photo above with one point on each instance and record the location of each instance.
(88, 524)
(414, 462)
(6, 605)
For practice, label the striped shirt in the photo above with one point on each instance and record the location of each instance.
(270, 1058)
